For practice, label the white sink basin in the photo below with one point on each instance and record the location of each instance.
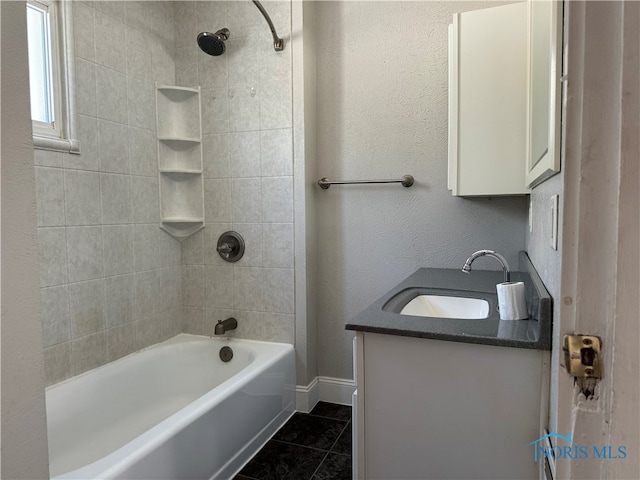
(446, 307)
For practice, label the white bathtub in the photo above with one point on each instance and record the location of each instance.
(172, 411)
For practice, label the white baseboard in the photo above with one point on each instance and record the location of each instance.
(326, 389)
(307, 396)
(336, 390)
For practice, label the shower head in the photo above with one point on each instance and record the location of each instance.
(213, 43)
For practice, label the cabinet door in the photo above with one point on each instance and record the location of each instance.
(545, 66)
(487, 101)
(449, 410)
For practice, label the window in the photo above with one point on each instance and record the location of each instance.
(50, 75)
(40, 65)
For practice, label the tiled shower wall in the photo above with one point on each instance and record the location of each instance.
(110, 277)
(248, 170)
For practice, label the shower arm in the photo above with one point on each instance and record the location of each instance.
(278, 43)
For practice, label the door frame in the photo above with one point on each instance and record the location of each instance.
(600, 285)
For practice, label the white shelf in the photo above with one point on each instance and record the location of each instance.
(179, 139)
(179, 155)
(178, 113)
(181, 188)
(180, 171)
(182, 230)
(177, 88)
(181, 195)
(183, 220)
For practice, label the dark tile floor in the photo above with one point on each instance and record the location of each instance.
(314, 446)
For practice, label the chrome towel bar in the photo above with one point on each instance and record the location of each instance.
(325, 183)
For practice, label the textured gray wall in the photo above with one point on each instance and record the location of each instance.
(24, 427)
(548, 263)
(382, 112)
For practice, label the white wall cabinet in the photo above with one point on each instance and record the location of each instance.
(431, 409)
(488, 59)
(181, 189)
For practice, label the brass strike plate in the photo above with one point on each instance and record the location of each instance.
(582, 356)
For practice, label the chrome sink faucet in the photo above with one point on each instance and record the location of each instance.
(223, 325)
(489, 253)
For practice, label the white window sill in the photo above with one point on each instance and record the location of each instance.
(56, 144)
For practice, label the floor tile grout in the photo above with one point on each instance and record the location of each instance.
(326, 418)
(338, 438)
(319, 465)
(300, 445)
(330, 450)
(326, 424)
(314, 448)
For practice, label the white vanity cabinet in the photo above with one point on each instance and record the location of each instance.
(434, 409)
(488, 58)
(180, 179)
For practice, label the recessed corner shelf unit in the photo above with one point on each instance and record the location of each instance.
(181, 189)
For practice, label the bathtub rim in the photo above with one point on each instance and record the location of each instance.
(178, 338)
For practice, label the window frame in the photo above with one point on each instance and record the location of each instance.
(62, 134)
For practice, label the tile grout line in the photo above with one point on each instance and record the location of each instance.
(319, 465)
(336, 442)
(330, 449)
(325, 451)
(323, 416)
(299, 445)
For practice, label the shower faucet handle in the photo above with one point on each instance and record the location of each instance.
(230, 246)
(225, 248)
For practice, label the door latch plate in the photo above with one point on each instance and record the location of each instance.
(582, 356)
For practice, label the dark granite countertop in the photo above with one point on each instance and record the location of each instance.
(533, 333)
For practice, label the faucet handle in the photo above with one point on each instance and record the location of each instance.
(225, 249)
